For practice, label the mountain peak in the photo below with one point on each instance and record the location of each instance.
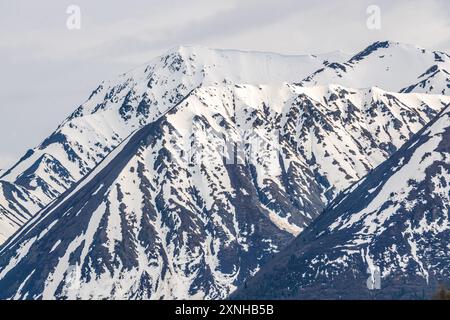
(377, 45)
(392, 66)
(398, 44)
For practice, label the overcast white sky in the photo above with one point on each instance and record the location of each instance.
(46, 71)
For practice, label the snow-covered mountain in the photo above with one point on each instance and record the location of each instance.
(392, 66)
(181, 178)
(166, 207)
(117, 108)
(394, 222)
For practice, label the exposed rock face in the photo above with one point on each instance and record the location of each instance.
(393, 223)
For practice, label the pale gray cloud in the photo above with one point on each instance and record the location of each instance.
(47, 70)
